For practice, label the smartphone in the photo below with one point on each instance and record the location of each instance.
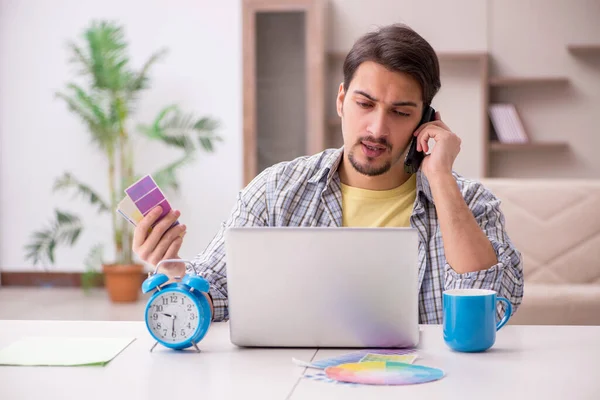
(413, 159)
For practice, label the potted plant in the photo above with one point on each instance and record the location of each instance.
(105, 104)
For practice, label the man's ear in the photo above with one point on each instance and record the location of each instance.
(340, 100)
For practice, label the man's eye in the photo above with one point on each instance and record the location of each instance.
(400, 113)
(363, 105)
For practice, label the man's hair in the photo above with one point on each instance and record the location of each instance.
(398, 48)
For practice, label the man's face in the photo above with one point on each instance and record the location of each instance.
(380, 112)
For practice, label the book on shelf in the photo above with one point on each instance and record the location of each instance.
(507, 124)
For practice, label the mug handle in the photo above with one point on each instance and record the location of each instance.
(507, 313)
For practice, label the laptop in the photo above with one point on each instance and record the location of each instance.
(322, 287)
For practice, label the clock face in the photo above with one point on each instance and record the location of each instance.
(173, 317)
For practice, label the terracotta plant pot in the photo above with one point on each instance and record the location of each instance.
(123, 282)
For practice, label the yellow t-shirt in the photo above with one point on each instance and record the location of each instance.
(379, 208)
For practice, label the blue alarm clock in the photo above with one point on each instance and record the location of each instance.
(177, 314)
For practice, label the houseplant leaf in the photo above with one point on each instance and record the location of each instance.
(90, 108)
(108, 54)
(166, 177)
(64, 229)
(68, 181)
(140, 80)
(93, 263)
(177, 129)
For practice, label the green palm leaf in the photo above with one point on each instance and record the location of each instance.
(89, 103)
(100, 119)
(181, 130)
(166, 177)
(93, 263)
(68, 181)
(156, 131)
(95, 258)
(80, 58)
(65, 229)
(108, 55)
(140, 80)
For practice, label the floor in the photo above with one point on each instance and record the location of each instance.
(65, 304)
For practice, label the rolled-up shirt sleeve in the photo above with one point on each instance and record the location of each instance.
(506, 276)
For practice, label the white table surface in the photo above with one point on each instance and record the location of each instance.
(527, 362)
(220, 371)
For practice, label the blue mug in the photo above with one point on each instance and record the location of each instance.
(470, 319)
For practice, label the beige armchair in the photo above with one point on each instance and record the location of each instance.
(556, 226)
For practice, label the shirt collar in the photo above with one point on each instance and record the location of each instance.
(329, 166)
(332, 160)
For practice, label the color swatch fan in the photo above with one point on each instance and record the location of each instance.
(383, 373)
(141, 198)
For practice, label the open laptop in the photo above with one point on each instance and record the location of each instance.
(322, 287)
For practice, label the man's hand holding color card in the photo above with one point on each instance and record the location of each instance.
(158, 234)
(143, 196)
(162, 241)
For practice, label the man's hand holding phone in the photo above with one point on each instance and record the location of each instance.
(447, 146)
(161, 242)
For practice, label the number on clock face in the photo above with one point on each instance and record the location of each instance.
(173, 317)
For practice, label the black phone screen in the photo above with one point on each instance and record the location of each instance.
(413, 159)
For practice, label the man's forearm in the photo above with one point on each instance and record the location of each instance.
(210, 302)
(466, 246)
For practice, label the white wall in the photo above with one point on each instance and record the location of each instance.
(458, 25)
(40, 138)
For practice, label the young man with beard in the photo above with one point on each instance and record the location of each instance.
(390, 78)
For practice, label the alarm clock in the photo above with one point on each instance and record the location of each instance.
(178, 314)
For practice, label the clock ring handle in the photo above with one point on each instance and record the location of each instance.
(188, 262)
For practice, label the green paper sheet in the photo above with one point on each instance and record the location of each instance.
(63, 351)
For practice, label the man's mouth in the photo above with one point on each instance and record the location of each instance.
(371, 149)
(373, 146)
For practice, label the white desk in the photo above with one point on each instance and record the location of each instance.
(220, 371)
(528, 362)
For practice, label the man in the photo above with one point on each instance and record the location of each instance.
(390, 77)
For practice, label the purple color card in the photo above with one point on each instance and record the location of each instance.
(146, 195)
(166, 207)
(149, 201)
(140, 188)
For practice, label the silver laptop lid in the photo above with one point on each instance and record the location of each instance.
(323, 287)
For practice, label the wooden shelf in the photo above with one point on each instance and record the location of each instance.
(584, 49)
(513, 81)
(443, 56)
(497, 147)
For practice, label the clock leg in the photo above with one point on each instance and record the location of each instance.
(152, 348)
(197, 349)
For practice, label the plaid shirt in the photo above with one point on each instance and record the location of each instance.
(306, 192)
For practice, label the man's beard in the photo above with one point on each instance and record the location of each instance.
(370, 170)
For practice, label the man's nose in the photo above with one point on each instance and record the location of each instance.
(378, 126)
